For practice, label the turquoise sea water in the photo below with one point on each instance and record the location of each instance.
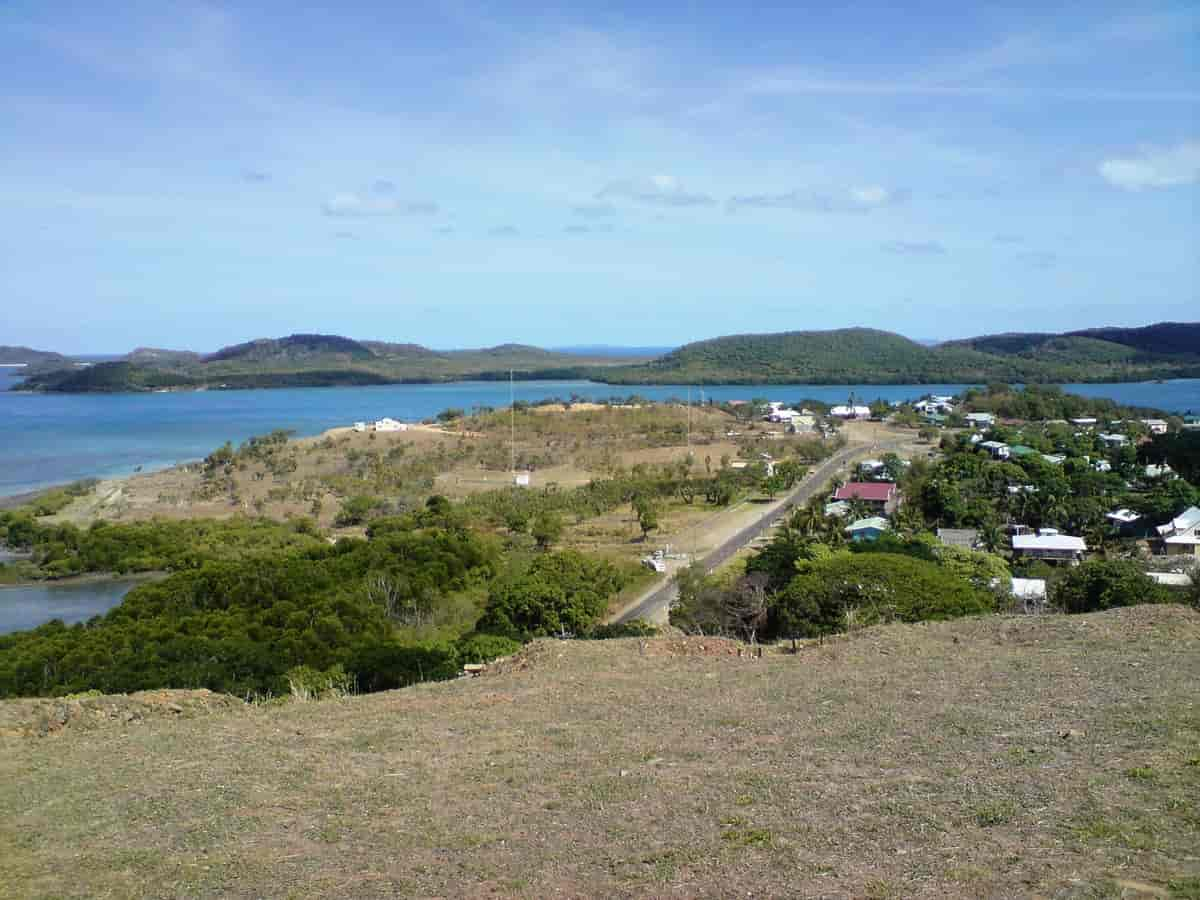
(48, 439)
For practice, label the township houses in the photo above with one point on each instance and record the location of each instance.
(980, 419)
(850, 412)
(880, 495)
(1049, 545)
(1181, 536)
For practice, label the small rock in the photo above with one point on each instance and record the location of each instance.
(624, 773)
(1071, 734)
(174, 707)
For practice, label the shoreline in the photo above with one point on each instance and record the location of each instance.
(85, 579)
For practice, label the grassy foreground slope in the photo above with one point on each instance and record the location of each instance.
(1048, 756)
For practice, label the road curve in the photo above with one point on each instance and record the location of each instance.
(654, 605)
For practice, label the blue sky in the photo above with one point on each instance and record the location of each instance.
(463, 174)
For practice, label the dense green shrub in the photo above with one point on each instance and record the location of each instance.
(481, 648)
(240, 626)
(633, 628)
(871, 588)
(563, 592)
(1104, 584)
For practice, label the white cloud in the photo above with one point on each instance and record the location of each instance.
(656, 190)
(1154, 167)
(915, 248)
(380, 201)
(858, 199)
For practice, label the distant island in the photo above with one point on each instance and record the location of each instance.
(840, 356)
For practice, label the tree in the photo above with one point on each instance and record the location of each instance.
(547, 528)
(559, 592)
(647, 514)
(871, 588)
(1104, 584)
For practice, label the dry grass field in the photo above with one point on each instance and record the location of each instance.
(995, 757)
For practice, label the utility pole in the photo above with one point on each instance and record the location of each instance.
(512, 427)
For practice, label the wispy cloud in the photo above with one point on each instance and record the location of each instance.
(379, 200)
(255, 176)
(1154, 167)
(595, 210)
(598, 228)
(859, 199)
(1038, 259)
(914, 248)
(504, 231)
(656, 190)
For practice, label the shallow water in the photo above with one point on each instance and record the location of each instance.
(33, 605)
(48, 439)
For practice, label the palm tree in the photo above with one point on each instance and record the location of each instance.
(991, 536)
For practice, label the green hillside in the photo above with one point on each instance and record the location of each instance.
(311, 360)
(862, 355)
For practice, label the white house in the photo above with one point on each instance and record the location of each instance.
(1153, 471)
(850, 412)
(934, 405)
(521, 479)
(1030, 591)
(386, 424)
(1181, 536)
(1055, 459)
(802, 423)
(1113, 440)
(1049, 546)
(996, 449)
(360, 426)
(838, 509)
(1122, 517)
(981, 419)
(1155, 426)
(1102, 465)
(1171, 579)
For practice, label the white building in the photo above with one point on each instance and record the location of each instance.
(850, 412)
(1084, 422)
(360, 426)
(1030, 591)
(1181, 536)
(1113, 440)
(980, 419)
(996, 449)
(386, 424)
(1155, 426)
(1048, 546)
(1122, 517)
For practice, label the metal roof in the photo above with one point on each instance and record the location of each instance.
(1048, 542)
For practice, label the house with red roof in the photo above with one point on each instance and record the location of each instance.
(881, 495)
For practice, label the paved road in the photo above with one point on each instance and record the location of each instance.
(656, 602)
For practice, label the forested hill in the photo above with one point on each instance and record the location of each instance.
(27, 356)
(863, 355)
(842, 356)
(311, 360)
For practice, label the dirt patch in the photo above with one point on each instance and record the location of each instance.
(45, 717)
